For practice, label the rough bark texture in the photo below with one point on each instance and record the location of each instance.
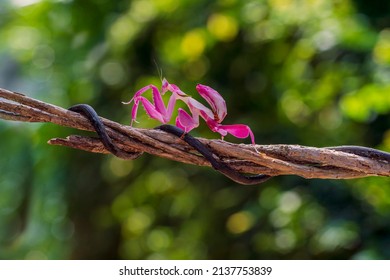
(307, 162)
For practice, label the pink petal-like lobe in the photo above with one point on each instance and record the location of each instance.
(216, 101)
(239, 131)
(152, 110)
(185, 121)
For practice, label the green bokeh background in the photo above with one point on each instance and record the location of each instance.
(310, 72)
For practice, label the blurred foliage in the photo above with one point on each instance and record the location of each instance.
(311, 72)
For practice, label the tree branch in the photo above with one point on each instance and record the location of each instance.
(307, 162)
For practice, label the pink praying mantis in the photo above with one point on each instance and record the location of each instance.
(213, 116)
(184, 123)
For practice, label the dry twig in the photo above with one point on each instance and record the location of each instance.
(307, 162)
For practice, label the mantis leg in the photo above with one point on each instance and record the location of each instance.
(155, 110)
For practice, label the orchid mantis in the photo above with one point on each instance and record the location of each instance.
(187, 121)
